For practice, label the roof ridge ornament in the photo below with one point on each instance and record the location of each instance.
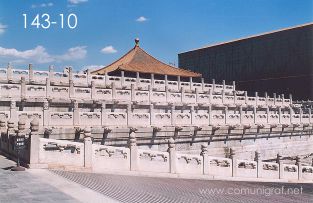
(137, 42)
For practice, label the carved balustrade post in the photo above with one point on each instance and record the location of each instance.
(213, 85)
(152, 80)
(178, 82)
(129, 113)
(132, 92)
(234, 162)
(46, 113)
(274, 96)
(254, 114)
(113, 91)
(137, 79)
(281, 168)
(298, 163)
(76, 117)
(173, 119)
(210, 115)
(204, 154)
(30, 73)
(106, 79)
(51, 72)
(103, 113)
(258, 160)
(9, 73)
(268, 115)
(48, 88)
(71, 89)
(310, 116)
(192, 116)
(10, 132)
(182, 92)
(279, 115)
(190, 82)
(166, 80)
(224, 84)
(2, 127)
(23, 88)
(93, 91)
(87, 148)
(290, 97)
(150, 93)
(132, 143)
(166, 94)
(240, 114)
(172, 155)
(283, 99)
(70, 73)
(34, 145)
(223, 96)
(197, 94)
(152, 114)
(234, 86)
(246, 97)
(202, 84)
(266, 99)
(13, 111)
(256, 95)
(122, 78)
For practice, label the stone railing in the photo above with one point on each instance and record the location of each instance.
(51, 153)
(10, 75)
(22, 91)
(126, 118)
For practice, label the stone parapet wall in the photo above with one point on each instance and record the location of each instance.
(10, 75)
(52, 153)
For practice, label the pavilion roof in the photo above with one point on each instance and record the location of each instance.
(137, 60)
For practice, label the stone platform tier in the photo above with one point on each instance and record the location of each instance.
(52, 153)
(113, 113)
(31, 76)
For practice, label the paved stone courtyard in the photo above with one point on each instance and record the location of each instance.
(61, 186)
(24, 187)
(146, 189)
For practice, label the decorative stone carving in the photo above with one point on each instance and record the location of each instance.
(45, 105)
(61, 116)
(270, 167)
(246, 165)
(114, 153)
(290, 169)
(189, 159)
(53, 146)
(307, 169)
(219, 163)
(151, 156)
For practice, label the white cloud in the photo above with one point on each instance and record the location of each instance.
(108, 50)
(77, 1)
(91, 68)
(2, 28)
(43, 5)
(141, 19)
(40, 55)
(73, 53)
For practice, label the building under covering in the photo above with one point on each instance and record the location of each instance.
(280, 61)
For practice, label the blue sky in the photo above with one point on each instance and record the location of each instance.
(106, 28)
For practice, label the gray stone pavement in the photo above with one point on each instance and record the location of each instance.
(68, 186)
(41, 186)
(24, 187)
(148, 189)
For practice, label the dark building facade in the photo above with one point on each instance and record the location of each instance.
(275, 62)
